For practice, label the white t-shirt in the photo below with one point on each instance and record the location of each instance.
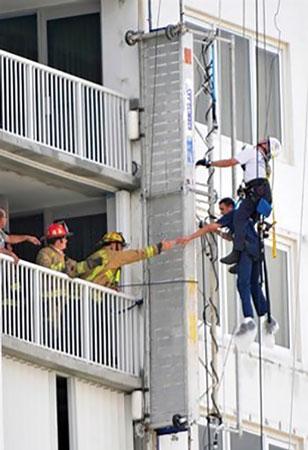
(3, 238)
(248, 156)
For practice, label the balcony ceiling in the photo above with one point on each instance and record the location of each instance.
(27, 194)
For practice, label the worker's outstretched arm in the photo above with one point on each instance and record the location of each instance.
(224, 163)
(208, 228)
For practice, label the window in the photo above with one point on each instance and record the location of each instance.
(233, 441)
(252, 441)
(75, 52)
(279, 282)
(243, 96)
(269, 96)
(203, 438)
(247, 440)
(68, 39)
(19, 35)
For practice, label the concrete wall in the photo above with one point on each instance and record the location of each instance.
(29, 407)
(102, 418)
(98, 417)
(120, 62)
(277, 367)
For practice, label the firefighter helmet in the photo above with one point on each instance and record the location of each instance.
(112, 237)
(57, 230)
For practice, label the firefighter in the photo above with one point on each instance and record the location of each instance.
(110, 257)
(53, 254)
(247, 274)
(56, 312)
(6, 240)
(255, 164)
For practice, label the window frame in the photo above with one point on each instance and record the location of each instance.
(56, 12)
(279, 352)
(60, 12)
(253, 79)
(253, 66)
(268, 439)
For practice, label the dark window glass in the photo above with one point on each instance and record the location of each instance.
(242, 87)
(275, 447)
(204, 442)
(62, 413)
(269, 94)
(279, 293)
(74, 46)
(244, 442)
(18, 35)
(34, 225)
(87, 232)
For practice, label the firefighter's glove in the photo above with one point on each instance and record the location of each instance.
(203, 162)
(94, 262)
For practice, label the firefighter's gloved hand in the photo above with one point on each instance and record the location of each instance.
(203, 162)
(94, 262)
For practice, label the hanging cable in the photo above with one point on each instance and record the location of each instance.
(204, 319)
(259, 227)
(295, 336)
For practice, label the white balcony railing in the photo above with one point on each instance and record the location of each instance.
(64, 112)
(69, 316)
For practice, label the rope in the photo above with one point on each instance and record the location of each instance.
(295, 336)
(205, 344)
(259, 231)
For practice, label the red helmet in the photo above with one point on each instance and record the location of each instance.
(57, 230)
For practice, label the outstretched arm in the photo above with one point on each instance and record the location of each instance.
(208, 228)
(224, 163)
(17, 239)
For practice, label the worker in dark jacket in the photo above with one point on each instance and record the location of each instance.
(247, 274)
(111, 257)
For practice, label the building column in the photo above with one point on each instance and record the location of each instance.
(122, 209)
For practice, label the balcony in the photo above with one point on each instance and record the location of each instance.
(70, 317)
(52, 117)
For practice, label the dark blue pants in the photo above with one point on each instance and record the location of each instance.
(248, 286)
(258, 189)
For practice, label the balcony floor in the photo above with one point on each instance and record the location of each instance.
(54, 167)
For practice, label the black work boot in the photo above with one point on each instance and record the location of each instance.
(232, 258)
(233, 269)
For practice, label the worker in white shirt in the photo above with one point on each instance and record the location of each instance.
(255, 164)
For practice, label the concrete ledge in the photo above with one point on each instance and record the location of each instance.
(33, 157)
(69, 364)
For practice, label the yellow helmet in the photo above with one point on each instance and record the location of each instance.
(113, 236)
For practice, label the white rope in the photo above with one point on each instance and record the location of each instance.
(296, 317)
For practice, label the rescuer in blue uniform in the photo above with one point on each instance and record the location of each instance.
(247, 270)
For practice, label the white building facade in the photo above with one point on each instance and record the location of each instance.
(68, 81)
